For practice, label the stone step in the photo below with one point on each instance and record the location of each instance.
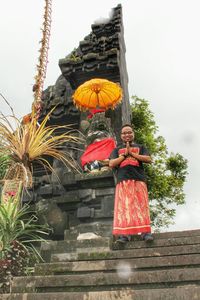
(72, 246)
(105, 230)
(111, 265)
(179, 293)
(173, 234)
(149, 251)
(123, 277)
(157, 242)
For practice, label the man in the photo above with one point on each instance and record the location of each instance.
(131, 209)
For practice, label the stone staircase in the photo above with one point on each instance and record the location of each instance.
(100, 269)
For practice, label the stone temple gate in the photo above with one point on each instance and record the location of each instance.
(83, 202)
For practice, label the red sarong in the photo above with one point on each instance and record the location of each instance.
(131, 210)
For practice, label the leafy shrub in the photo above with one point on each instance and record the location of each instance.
(19, 233)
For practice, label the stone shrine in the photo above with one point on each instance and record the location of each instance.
(83, 201)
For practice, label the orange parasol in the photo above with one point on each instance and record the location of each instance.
(97, 93)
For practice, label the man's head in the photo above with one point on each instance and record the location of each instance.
(127, 133)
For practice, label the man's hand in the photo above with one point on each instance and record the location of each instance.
(127, 150)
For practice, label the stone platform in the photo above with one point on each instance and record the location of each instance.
(100, 269)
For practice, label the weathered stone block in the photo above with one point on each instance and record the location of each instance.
(85, 212)
(49, 213)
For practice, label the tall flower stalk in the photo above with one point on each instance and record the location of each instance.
(43, 60)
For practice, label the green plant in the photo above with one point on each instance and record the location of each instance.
(14, 263)
(19, 224)
(4, 163)
(74, 56)
(167, 174)
(19, 235)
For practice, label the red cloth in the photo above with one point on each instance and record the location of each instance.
(95, 111)
(98, 151)
(131, 211)
(129, 160)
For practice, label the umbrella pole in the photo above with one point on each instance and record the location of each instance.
(98, 100)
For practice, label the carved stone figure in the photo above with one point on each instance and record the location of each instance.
(100, 141)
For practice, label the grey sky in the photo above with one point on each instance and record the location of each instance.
(163, 62)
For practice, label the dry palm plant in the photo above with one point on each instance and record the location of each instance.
(25, 143)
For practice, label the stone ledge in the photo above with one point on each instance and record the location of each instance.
(124, 277)
(111, 265)
(183, 293)
(119, 254)
(180, 293)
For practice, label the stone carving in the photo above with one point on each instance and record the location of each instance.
(99, 128)
(97, 55)
(99, 137)
(59, 95)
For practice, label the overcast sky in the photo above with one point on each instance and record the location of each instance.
(163, 61)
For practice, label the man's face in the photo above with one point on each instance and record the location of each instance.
(127, 134)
